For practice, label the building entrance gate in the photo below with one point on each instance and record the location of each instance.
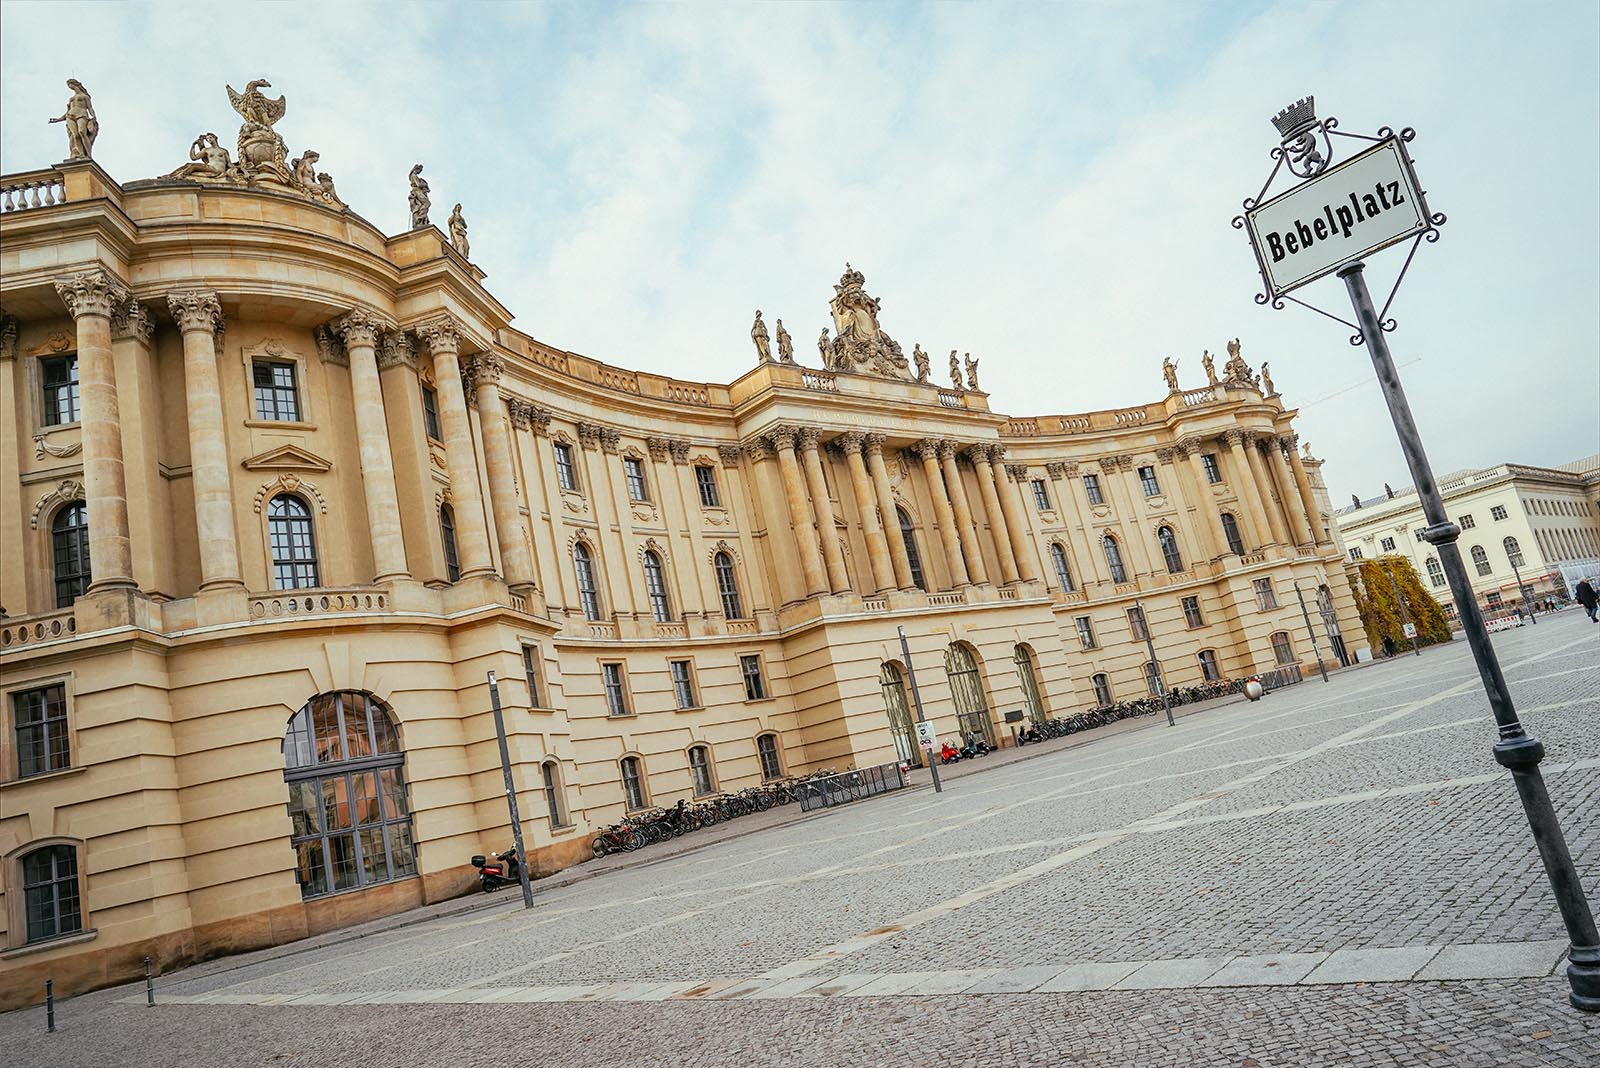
(966, 691)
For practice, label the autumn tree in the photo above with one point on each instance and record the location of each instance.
(1380, 611)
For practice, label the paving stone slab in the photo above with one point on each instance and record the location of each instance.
(1271, 969)
(889, 985)
(1501, 960)
(1095, 976)
(1173, 974)
(1013, 981)
(949, 982)
(844, 984)
(1393, 965)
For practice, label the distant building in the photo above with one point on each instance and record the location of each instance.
(1543, 520)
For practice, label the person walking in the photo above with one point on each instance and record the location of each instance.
(1589, 599)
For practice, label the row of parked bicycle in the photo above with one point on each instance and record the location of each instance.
(651, 825)
(1143, 706)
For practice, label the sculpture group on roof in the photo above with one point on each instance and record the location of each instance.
(1235, 372)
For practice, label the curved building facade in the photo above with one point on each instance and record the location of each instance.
(279, 490)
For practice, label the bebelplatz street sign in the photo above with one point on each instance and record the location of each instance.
(1344, 214)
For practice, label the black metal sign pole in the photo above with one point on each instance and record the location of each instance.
(916, 698)
(1315, 648)
(1523, 592)
(1516, 750)
(511, 792)
(1161, 678)
(1405, 617)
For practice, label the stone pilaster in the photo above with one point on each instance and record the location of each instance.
(867, 505)
(832, 555)
(1302, 483)
(899, 561)
(92, 297)
(783, 440)
(443, 341)
(1263, 483)
(1135, 553)
(360, 329)
(944, 512)
(1288, 490)
(1186, 466)
(516, 559)
(1007, 478)
(198, 314)
(989, 492)
(1249, 493)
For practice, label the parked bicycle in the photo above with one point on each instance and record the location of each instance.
(651, 825)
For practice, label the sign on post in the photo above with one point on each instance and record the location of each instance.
(1346, 213)
(1410, 630)
(926, 737)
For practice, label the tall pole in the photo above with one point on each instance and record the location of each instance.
(1523, 591)
(511, 792)
(916, 699)
(1161, 681)
(1405, 617)
(1315, 648)
(1516, 750)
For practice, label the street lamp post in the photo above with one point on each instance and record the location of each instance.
(1523, 591)
(1315, 648)
(1161, 680)
(1405, 617)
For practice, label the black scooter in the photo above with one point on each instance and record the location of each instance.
(1029, 734)
(493, 876)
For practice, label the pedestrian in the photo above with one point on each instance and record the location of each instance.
(1589, 599)
(1388, 645)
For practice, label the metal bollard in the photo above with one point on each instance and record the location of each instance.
(50, 1006)
(149, 984)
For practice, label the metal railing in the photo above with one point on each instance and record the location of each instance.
(849, 786)
(1278, 678)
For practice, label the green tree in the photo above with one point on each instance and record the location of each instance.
(1380, 611)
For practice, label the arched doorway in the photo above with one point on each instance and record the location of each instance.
(1028, 676)
(966, 691)
(900, 719)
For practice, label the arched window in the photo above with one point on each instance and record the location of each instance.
(1058, 557)
(1513, 551)
(1169, 549)
(1119, 574)
(633, 782)
(1230, 530)
(447, 535)
(728, 586)
(294, 547)
(966, 690)
(1435, 572)
(350, 823)
(1283, 647)
(899, 712)
(767, 752)
(50, 892)
(1152, 678)
(913, 558)
(69, 542)
(1209, 671)
(555, 793)
(705, 781)
(1102, 689)
(1480, 560)
(588, 592)
(1028, 675)
(655, 584)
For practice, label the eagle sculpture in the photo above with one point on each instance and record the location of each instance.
(254, 105)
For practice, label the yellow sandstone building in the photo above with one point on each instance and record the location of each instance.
(279, 490)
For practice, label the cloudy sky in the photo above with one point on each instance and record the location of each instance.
(1046, 186)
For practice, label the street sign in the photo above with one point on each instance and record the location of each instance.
(1346, 213)
(926, 737)
(1410, 630)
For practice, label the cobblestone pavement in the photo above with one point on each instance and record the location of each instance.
(1339, 875)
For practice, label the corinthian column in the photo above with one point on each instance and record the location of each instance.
(928, 449)
(515, 557)
(1192, 495)
(360, 329)
(979, 455)
(832, 555)
(794, 495)
(867, 506)
(444, 341)
(1127, 506)
(199, 316)
(1263, 482)
(1302, 483)
(1247, 490)
(91, 298)
(891, 517)
(1298, 519)
(1022, 547)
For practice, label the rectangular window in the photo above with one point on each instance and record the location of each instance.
(552, 794)
(1208, 461)
(1492, 600)
(1191, 612)
(767, 750)
(1419, 533)
(700, 770)
(1497, 512)
(755, 686)
(1091, 486)
(683, 683)
(1355, 553)
(616, 688)
(60, 390)
(1208, 665)
(1041, 495)
(1265, 598)
(1147, 480)
(1102, 690)
(1085, 632)
(1387, 545)
(530, 671)
(566, 473)
(1136, 624)
(276, 399)
(50, 892)
(1282, 648)
(430, 414)
(633, 469)
(705, 479)
(1466, 522)
(632, 787)
(39, 720)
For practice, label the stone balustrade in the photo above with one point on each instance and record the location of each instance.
(820, 380)
(44, 627)
(949, 399)
(34, 189)
(318, 602)
(942, 599)
(875, 604)
(742, 626)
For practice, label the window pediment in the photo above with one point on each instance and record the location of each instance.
(287, 458)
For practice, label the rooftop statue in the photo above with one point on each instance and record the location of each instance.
(261, 150)
(1210, 365)
(263, 157)
(972, 373)
(785, 345)
(758, 334)
(82, 126)
(823, 347)
(955, 370)
(1170, 369)
(1266, 380)
(862, 346)
(418, 198)
(1236, 370)
(458, 232)
(211, 160)
(921, 360)
(304, 170)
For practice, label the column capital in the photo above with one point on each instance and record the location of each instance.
(486, 367)
(730, 454)
(439, 334)
(657, 447)
(1232, 438)
(1187, 447)
(130, 319)
(1061, 469)
(947, 450)
(1291, 439)
(361, 326)
(610, 438)
(851, 442)
(1017, 472)
(1110, 465)
(526, 415)
(1166, 454)
(926, 448)
(589, 435)
(1253, 437)
(872, 443)
(809, 437)
(329, 348)
(679, 450)
(978, 454)
(757, 449)
(93, 292)
(782, 438)
(8, 338)
(397, 350)
(196, 310)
